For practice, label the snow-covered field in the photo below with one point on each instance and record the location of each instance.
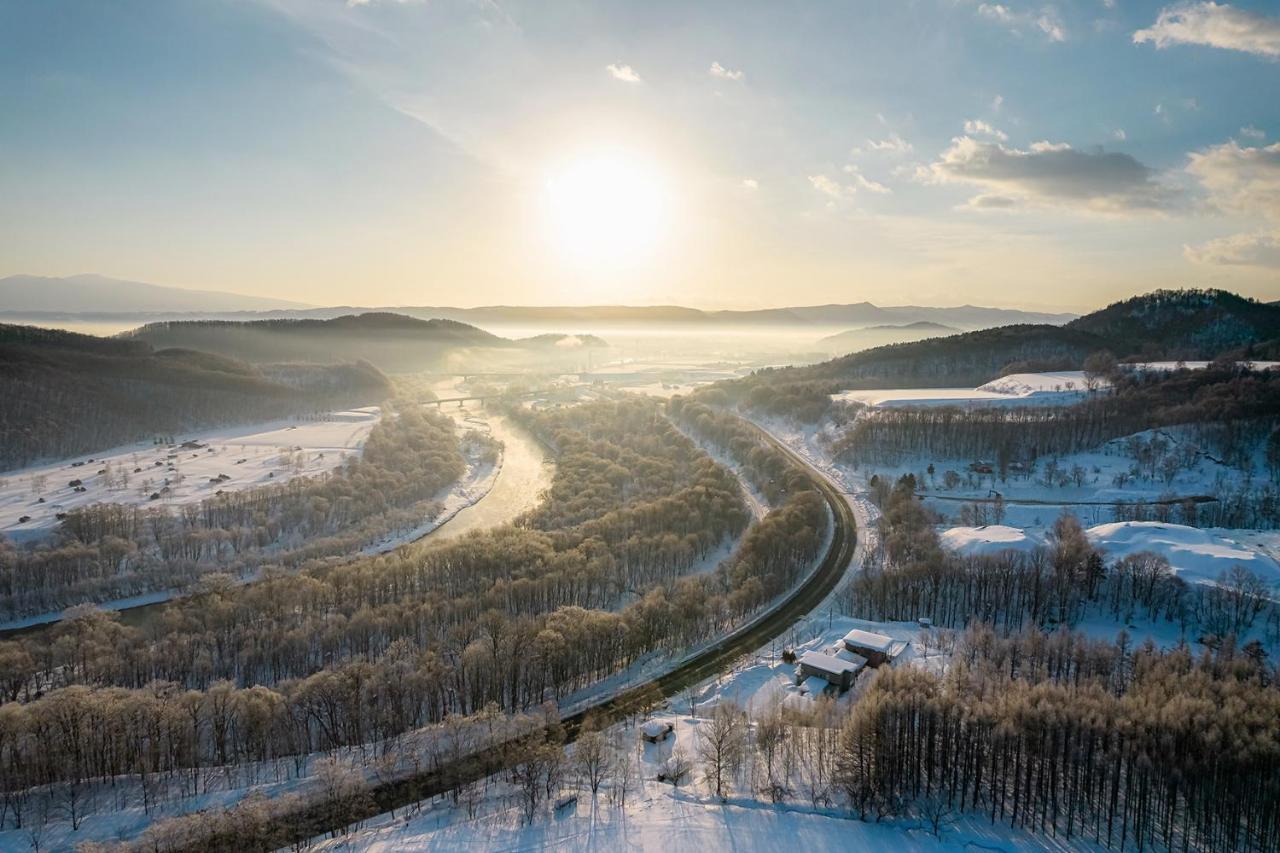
(1018, 389)
(1052, 388)
(198, 465)
(1197, 556)
(990, 539)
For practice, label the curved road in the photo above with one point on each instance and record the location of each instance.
(314, 820)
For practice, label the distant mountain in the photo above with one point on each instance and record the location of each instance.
(78, 294)
(66, 393)
(855, 314)
(1192, 324)
(95, 297)
(879, 335)
(1164, 325)
(918, 326)
(969, 317)
(391, 341)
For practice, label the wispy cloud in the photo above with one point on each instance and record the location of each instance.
(750, 184)
(863, 182)
(1214, 25)
(625, 73)
(1240, 179)
(891, 144)
(1261, 249)
(718, 70)
(1045, 20)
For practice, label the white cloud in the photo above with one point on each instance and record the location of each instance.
(1119, 134)
(1261, 249)
(997, 12)
(625, 73)
(1214, 25)
(831, 189)
(718, 70)
(892, 144)
(1047, 20)
(1051, 25)
(750, 184)
(996, 103)
(1240, 180)
(1251, 132)
(863, 182)
(1051, 175)
(837, 192)
(978, 127)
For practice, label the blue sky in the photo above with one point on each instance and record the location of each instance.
(937, 151)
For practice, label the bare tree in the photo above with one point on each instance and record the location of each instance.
(721, 743)
(592, 757)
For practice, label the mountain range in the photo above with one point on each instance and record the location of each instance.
(77, 294)
(95, 297)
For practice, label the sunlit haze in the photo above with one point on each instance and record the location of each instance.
(393, 152)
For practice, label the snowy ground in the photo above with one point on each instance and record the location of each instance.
(1197, 556)
(666, 819)
(249, 455)
(660, 817)
(1060, 388)
(1053, 388)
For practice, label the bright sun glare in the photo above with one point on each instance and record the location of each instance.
(606, 209)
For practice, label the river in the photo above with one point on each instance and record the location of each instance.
(526, 472)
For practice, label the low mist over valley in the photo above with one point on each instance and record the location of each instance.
(651, 427)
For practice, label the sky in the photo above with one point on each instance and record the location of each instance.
(720, 154)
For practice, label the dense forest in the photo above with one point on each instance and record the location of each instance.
(66, 393)
(364, 650)
(1061, 735)
(107, 551)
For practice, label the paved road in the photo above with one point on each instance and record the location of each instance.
(810, 595)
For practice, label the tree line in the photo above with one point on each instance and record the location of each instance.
(105, 551)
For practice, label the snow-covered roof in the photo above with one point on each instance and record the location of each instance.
(867, 640)
(852, 657)
(813, 685)
(655, 728)
(828, 663)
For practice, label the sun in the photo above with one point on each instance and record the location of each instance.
(606, 209)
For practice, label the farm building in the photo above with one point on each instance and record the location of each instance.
(838, 672)
(876, 648)
(655, 731)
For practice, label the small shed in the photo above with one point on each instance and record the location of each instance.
(838, 673)
(874, 647)
(656, 731)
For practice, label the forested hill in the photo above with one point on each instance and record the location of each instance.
(66, 393)
(1189, 324)
(1164, 325)
(391, 341)
(968, 359)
